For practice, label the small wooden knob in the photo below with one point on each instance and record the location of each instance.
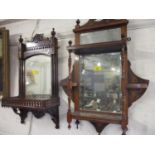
(70, 43)
(53, 32)
(21, 39)
(78, 22)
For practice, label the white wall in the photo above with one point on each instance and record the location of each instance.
(141, 51)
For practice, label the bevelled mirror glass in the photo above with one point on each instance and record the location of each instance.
(38, 76)
(100, 36)
(100, 82)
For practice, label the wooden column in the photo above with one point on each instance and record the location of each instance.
(69, 117)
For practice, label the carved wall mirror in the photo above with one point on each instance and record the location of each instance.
(38, 79)
(101, 83)
(4, 63)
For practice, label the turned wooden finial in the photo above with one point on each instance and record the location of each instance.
(21, 39)
(53, 32)
(70, 43)
(78, 23)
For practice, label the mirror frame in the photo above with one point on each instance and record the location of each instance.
(37, 48)
(5, 62)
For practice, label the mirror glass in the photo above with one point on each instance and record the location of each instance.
(100, 36)
(1, 65)
(38, 76)
(100, 82)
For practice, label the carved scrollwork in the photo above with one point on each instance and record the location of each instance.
(97, 21)
(96, 24)
(38, 114)
(99, 126)
(38, 37)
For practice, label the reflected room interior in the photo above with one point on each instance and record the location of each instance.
(38, 76)
(100, 81)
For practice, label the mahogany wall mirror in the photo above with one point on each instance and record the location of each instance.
(38, 79)
(101, 83)
(4, 63)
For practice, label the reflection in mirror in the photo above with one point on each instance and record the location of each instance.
(100, 81)
(38, 76)
(1, 65)
(100, 36)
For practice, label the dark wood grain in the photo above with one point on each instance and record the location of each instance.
(132, 86)
(5, 64)
(38, 104)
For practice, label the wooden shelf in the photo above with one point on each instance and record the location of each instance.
(137, 86)
(103, 47)
(19, 102)
(101, 117)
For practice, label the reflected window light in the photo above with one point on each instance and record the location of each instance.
(27, 83)
(83, 71)
(76, 58)
(113, 69)
(30, 44)
(99, 64)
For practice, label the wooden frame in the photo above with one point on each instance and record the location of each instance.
(132, 86)
(39, 104)
(5, 63)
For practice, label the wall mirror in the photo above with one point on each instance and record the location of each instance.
(100, 36)
(100, 83)
(38, 79)
(4, 63)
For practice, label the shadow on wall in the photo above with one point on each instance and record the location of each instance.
(142, 113)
